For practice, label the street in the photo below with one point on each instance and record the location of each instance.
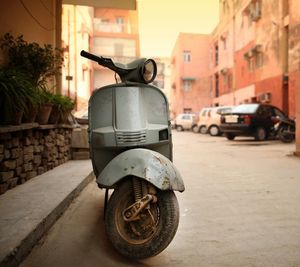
(240, 208)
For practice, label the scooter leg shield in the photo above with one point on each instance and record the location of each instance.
(143, 163)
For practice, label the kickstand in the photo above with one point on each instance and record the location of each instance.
(105, 202)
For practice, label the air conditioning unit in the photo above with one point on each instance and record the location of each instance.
(266, 97)
(255, 12)
(224, 71)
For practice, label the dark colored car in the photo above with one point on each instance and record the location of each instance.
(255, 120)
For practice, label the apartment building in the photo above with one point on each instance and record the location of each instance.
(256, 54)
(250, 54)
(162, 80)
(190, 81)
(77, 30)
(115, 35)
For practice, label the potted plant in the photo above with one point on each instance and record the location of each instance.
(66, 105)
(45, 106)
(16, 93)
(38, 63)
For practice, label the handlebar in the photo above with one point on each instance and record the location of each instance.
(105, 62)
(90, 56)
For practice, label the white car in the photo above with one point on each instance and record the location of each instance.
(200, 126)
(184, 121)
(213, 121)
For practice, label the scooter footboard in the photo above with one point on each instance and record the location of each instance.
(143, 163)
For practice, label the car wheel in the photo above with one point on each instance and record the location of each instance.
(229, 136)
(202, 130)
(179, 128)
(260, 134)
(195, 129)
(214, 130)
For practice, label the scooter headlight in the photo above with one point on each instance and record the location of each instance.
(149, 71)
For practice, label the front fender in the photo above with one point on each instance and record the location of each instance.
(143, 163)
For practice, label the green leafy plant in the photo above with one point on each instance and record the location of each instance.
(17, 93)
(39, 63)
(63, 103)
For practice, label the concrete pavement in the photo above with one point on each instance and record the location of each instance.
(240, 208)
(29, 210)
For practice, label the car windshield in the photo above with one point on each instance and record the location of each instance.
(224, 110)
(247, 108)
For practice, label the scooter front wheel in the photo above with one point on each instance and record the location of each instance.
(152, 230)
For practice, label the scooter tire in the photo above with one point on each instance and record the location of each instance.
(284, 137)
(120, 234)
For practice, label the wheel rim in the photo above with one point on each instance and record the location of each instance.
(261, 134)
(140, 231)
(214, 131)
(203, 130)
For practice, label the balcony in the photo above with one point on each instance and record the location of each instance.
(111, 27)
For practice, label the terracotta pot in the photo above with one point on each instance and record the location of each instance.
(30, 115)
(55, 115)
(64, 119)
(44, 113)
(17, 117)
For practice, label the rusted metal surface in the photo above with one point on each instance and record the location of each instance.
(143, 163)
(132, 213)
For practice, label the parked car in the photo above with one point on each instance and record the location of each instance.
(81, 116)
(184, 121)
(213, 121)
(200, 124)
(255, 120)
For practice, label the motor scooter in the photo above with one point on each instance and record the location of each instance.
(131, 151)
(286, 130)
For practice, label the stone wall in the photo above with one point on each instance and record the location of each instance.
(30, 150)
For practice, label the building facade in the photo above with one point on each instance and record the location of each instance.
(250, 56)
(294, 63)
(116, 35)
(77, 31)
(255, 55)
(190, 81)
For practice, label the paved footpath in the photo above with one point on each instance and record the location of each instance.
(29, 210)
(240, 208)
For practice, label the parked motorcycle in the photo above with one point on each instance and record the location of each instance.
(286, 130)
(131, 151)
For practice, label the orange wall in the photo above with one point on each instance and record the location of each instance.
(294, 65)
(197, 69)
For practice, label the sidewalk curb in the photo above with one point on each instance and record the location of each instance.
(17, 255)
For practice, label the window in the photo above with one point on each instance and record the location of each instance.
(119, 49)
(230, 81)
(120, 21)
(187, 85)
(186, 56)
(217, 85)
(224, 43)
(225, 79)
(216, 54)
(259, 60)
(250, 64)
(211, 58)
(187, 110)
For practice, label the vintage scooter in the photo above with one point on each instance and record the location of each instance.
(131, 150)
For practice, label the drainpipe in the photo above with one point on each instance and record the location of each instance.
(234, 61)
(75, 56)
(58, 29)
